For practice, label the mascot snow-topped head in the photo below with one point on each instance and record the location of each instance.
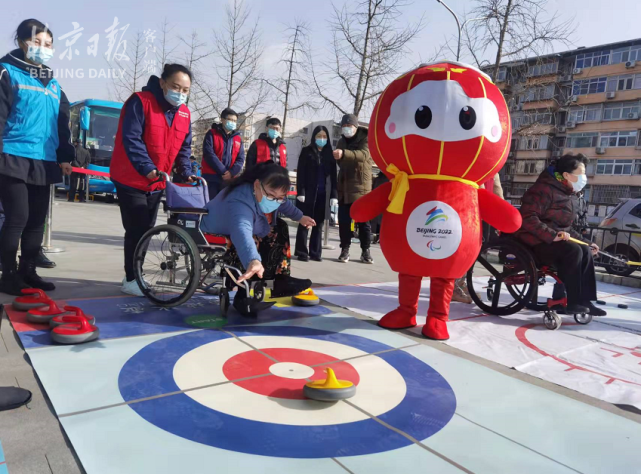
(445, 119)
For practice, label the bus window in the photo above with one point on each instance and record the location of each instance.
(102, 134)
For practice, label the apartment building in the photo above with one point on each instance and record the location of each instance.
(583, 101)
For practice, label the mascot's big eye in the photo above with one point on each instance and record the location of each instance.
(467, 118)
(423, 117)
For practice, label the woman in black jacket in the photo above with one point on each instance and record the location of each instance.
(315, 182)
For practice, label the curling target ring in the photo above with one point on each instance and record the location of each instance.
(227, 415)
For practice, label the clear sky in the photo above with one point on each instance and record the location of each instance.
(598, 22)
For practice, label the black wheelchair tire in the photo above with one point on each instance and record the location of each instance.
(520, 301)
(194, 280)
(224, 302)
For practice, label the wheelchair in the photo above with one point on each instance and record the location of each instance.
(174, 260)
(512, 265)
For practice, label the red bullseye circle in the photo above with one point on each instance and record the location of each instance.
(253, 363)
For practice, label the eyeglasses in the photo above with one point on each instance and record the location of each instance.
(271, 198)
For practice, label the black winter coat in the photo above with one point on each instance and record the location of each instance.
(310, 163)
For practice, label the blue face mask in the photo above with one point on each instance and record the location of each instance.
(321, 142)
(268, 206)
(175, 98)
(273, 133)
(229, 125)
(38, 54)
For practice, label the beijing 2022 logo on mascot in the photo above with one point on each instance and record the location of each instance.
(439, 132)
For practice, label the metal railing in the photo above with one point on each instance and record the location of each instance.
(623, 244)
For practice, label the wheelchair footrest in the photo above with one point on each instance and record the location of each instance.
(560, 302)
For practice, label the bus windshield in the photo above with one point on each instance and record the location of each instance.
(102, 134)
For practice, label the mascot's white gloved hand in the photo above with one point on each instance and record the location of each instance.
(333, 202)
(301, 198)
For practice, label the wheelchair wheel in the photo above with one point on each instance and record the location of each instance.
(502, 263)
(552, 320)
(583, 318)
(224, 302)
(167, 265)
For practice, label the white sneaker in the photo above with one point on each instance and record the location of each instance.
(131, 288)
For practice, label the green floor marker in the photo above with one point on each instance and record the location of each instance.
(206, 321)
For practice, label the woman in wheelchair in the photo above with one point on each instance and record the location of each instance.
(247, 211)
(549, 209)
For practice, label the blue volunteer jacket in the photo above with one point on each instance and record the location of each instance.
(31, 128)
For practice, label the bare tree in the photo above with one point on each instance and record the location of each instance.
(239, 50)
(168, 47)
(132, 72)
(196, 51)
(295, 59)
(514, 30)
(367, 49)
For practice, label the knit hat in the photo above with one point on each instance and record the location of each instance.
(349, 119)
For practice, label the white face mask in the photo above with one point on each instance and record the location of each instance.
(580, 183)
(349, 132)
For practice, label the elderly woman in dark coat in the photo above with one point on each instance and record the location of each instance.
(549, 209)
(316, 191)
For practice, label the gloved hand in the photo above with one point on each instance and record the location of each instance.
(333, 202)
(301, 198)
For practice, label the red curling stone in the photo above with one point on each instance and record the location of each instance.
(43, 316)
(34, 298)
(75, 333)
(76, 313)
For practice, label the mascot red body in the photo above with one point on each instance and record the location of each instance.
(437, 132)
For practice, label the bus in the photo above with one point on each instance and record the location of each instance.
(95, 122)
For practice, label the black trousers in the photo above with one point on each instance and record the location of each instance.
(345, 228)
(77, 181)
(25, 208)
(315, 243)
(575, 267)
(138, 211)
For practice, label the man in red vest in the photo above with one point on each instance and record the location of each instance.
(154, 131)
(269, 146)
(223, 153)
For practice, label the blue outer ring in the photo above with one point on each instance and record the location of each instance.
(428, 406)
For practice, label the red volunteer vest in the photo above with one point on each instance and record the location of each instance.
(263, 153)
(219, 150)
(163, 143)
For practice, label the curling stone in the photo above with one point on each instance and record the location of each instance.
(76, 332)
(330, 389)
(623, 306)
(601, 302)
(43, 316)
(34, 298)
(305, 298)
(76, 313)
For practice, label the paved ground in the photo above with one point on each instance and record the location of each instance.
(91, 266)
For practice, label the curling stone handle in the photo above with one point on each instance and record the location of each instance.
(35, 291)
(76, 311)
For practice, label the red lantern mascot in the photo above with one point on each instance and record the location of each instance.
(438, 132)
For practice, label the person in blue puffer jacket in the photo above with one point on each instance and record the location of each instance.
(247, 211)
(35, 150)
